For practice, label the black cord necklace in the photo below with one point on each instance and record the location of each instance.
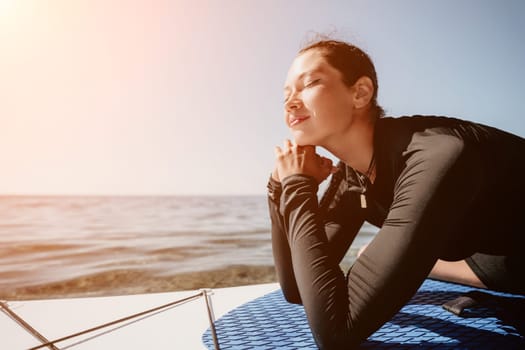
(364, 179)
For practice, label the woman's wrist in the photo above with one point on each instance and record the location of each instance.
(275, 176)
(274, 189)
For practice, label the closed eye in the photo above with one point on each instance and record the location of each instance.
(312, 83)
(306, 85)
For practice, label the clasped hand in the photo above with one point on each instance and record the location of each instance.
(294, 159)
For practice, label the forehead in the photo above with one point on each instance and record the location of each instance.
(307, 62)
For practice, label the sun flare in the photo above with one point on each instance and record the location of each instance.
(8, 10)
(6, 5)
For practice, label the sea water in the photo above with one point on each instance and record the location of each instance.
(49, 239)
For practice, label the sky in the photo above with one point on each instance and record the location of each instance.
(157, 97)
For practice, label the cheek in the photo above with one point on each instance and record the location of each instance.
(322, 106)
(314, 100)
(333, 107)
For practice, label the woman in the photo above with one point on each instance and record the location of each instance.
(446, 193)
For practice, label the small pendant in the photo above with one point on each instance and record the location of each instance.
(363, 201)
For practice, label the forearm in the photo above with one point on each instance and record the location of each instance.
(280, 246)
(341, 225)
(320, 281)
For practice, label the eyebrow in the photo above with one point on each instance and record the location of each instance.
(315, 70)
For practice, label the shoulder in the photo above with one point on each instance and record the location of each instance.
(436, 141)
(397, 137)
(416, 123)
(429, 132)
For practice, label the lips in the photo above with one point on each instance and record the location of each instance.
(297, 119)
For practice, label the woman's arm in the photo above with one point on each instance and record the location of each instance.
(280, 247)
(340, 226)
(432, 193)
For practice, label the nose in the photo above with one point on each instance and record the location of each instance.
(293, 103)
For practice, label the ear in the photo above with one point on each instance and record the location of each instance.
(364, 90)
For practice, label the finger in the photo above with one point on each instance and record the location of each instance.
(287, 145)
(295, 147)
(278, 151)
(309, 148)
(319, 160)
(292, 147)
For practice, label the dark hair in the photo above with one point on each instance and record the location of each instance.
(352, 62)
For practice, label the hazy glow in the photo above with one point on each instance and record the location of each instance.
(6, 6)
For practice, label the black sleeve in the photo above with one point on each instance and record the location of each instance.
(280, 247)
(431, 193)
(340, 227)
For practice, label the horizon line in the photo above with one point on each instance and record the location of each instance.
(132, 195)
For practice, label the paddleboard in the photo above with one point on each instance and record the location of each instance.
(497, 322)
(179, 327)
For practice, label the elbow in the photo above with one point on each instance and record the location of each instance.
(340, 334)
(293, 299)
(345, 341)
(288, 286)
(291, 295)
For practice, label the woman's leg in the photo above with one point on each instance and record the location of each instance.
(456, 271)
(451, 271)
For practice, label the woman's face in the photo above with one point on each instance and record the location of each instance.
(318, 105)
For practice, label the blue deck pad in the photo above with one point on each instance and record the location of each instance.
(498, 322)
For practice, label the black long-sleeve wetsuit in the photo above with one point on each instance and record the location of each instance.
(444, 189)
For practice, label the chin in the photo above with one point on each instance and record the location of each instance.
(302, 139)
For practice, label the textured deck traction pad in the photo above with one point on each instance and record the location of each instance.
(497, 322)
